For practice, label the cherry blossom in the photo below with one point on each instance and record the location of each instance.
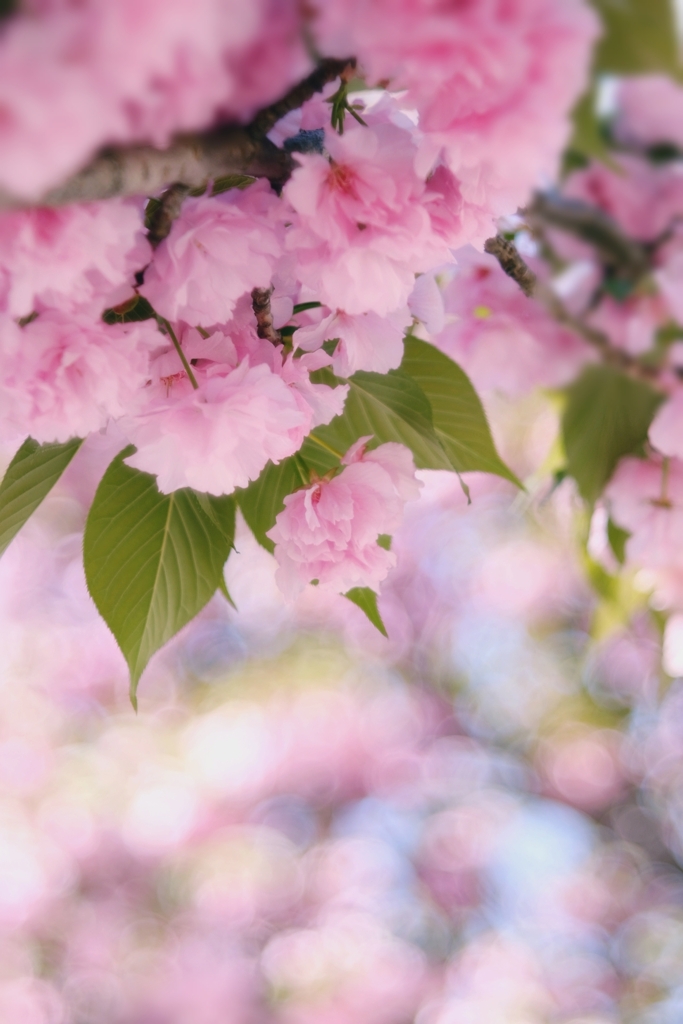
(76, 76)
(648, 111)
(65, 375)
(219, 248)
(71, 257)
(666, 430)
(645, 497)
(366, 342)
(363, 227)
(328, 532)
(493, 81)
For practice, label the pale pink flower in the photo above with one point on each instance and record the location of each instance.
(219, 248)
(493, 80)
(503, 340)
(649, 111)
(275, 59)
(364, 227)
(666, 430)
(248, 408)
(366, 341)
(669, 271)
(645, 497)
(644, 198)
(329, 530)
(220, 436)
(426, 302)
(75, 76)
(84, 255)
(238, 341)
(633, 323)
(321, 403)
(67, 374)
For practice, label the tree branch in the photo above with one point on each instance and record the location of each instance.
(512, 262)
(326, 71)
(190, 160)
(629, 258)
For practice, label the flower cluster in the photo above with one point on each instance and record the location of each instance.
(347, 251)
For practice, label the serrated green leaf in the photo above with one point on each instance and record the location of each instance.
(264, 499)
(606, 417)
(30, 476)
(640, 37)
(458, 416)
(390, 407)
(152, 560)
(366, 600)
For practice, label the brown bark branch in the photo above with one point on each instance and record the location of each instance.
(190, 160)
(630, 258)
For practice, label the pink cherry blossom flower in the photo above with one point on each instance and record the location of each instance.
(632, 324)
(220, 436)
(329, 530)
(85, 255)
(364, 227)
(646, 498)
(643, 198)
(219, 248)
(366, 342)
(503, 340)
(666, 430)
(649, 111)
(248, 408)
(493, 80)
(76, 76)
(65, 375)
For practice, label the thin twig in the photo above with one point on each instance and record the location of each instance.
(512, 262)
(628, 257)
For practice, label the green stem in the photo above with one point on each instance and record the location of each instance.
(188, 369)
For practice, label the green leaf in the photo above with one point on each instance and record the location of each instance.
(458, 416)
(607, 416)
(640, 36)
(152, 561)
(390, 407)
(264, 499)
(617, 538)
(384, 541)
(30, 476)
(366, 600)
(132, 310)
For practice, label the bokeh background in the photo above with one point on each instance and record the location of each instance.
(479, 819)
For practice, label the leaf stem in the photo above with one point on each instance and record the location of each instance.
(183, 359)
(323, 444)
